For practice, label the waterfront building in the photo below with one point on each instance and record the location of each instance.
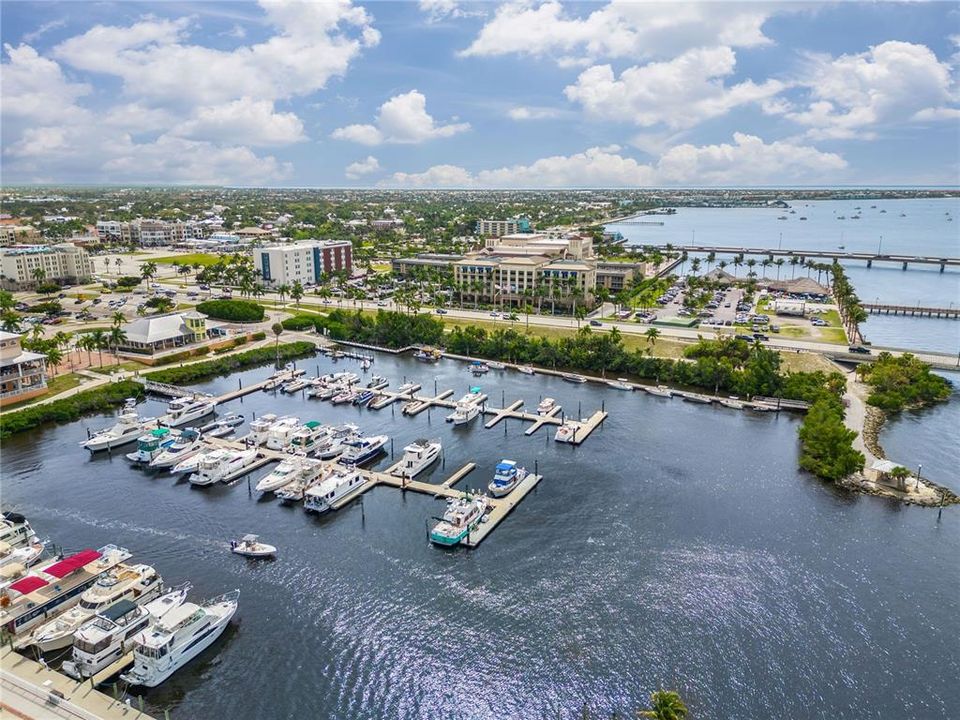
(148, 335)
(305, 263)
(405, 266)
(62, 263)
(14, 232)
(498, 228)
(23, 374)
(615, 276)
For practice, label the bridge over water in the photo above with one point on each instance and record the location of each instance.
(803, 255)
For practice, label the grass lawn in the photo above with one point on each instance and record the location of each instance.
(833, 335)
(125, 365)
(55, 386)
(191, 258)
(805, 362)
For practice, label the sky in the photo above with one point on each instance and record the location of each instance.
(518, 94)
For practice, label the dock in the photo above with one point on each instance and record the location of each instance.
(121, 663)
(388, 397)
(425, 403)
(501, 413)
(911, 310)
(542, 420)
(501, 508)
(32, 690)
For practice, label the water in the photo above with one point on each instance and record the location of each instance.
(679, 545)
(924, 230)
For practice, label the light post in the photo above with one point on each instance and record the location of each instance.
(879, 245)
(780, 244)
(919, 469)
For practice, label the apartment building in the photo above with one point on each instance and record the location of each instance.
(12, 234)
(63, 263)
(514, 280)
(497, 228)
(615, 276)
(149, 232)
(305, 263)
(23, 374)
(579, 247)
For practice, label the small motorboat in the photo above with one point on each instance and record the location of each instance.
(573, 378)
(365, 364)
(494, 365)
(620, 384)
(526, 369)
(250, 546)
(546, 406)
(479, 368)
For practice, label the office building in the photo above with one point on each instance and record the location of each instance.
(306, 263)
(497, 228)
(21, 265)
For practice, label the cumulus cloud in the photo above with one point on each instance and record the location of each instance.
(403, 119)
(854, 96)
(678, 93)
(746, 161)
(244, 121)
(620, 29)
(360, 168)
(35, 88)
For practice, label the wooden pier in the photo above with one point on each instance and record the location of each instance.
(501, 413)
(118, 665)
(542, 420)
(912, 310)
(385, 397)
(425, 403)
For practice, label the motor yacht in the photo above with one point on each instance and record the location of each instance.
(337, 485)
(659, 390)
(104, 639)
(54, 587)
(573, 378)
(177, 637)
(506, 477)
(311, 475)
(308, 437)
(620, 384)
(546, 406)
(281, 432)
(479, 368)
(467, 408)
(222, 466)
(427, 355)
(378, 382)
(190, 464)
(151, 445)
(128, 428)
(23, 555)
(566, 433)
(460, 518)
(15, 529)
(260, 428)
(138, 583)
(363, 450)
(186, 445)
(187, 409)
(363, 397)
(526, 369)
(496, 365)
(338, 441)
(250, 546)
(223, 426)
(417, 457)
(286, 472)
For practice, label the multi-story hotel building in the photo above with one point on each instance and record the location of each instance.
(497, 228)
(306, 263)
(64, 263)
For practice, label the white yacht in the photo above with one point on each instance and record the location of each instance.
(104, 639)
(620, 384)
(467, 408)
(281, 432)
(311, 475)
(190, 464)
(308, 437)
(187, 409)
(526, 369)
(546, 406)
(177, 637)
(129, 427)
(222, 465)
(507, 476)
(251, 547)
(566, 433)
(417, 457)
(260, 428)
(294, 386)
(151, 445)
(321, 497)
(378, 382)
(459, 519)
(659, 390)
(22, 556)
(296, 468)
(139, 583)
(573, 378)
(15, 529)
(338, 441)
(496, 365)
(186, 445)
(222, 427)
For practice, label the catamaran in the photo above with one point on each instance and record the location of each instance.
(177, 637)
(52, 588)
(323, 495)
(187, 409)
(417, 457)
(363, 450)
(104, 639)
(139, 583)
(187, 444)
(507, 476)
(151, 445)
(460, 518)
(221, 466)
(129, 427)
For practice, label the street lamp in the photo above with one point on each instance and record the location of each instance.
(879, 245)
(919, 469)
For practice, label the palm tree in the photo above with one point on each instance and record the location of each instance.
(10, 321)
(296, 292)
(98, 341)
(737, 262)
(277, 330)
(117, 337)
(711, 258)
(579, 313)
(54, 355)
(118, 318)
(665, 705)
(779, 263)
(84, 343)
(652, 334)
(695, 265)
(118, 262)
(283, 290)
(794, 260)
(148, 270)
(900, 474)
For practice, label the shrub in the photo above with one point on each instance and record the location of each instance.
(826, 443)
(231, 363)
(71, 408)
(902, 382)
(128, 281)
(299, 322)
(232, 310)
(48, 288)
(257, 336)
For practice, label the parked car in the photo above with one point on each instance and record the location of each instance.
(859, 349)
(441, 311)
(596, 323)
(748, 338)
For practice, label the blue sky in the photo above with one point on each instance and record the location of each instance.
(440, 93)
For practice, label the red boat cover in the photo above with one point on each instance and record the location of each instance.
(28, 584)
(74, 562)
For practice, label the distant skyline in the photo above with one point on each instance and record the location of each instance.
(440, 93)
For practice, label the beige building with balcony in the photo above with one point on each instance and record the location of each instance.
(23, 374)
(64, 263)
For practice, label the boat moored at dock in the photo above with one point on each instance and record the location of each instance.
(620, 384)
(573, 378)
(186, 445)
(281, 432)
(467, 407)
(260, 428)
(127, 429)
(417, 457)
(506, 477)
(181, 411)
(462, 515)
(363, 450)
(337, 485)
(151, 445)
(221, 466)
(546, 406)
